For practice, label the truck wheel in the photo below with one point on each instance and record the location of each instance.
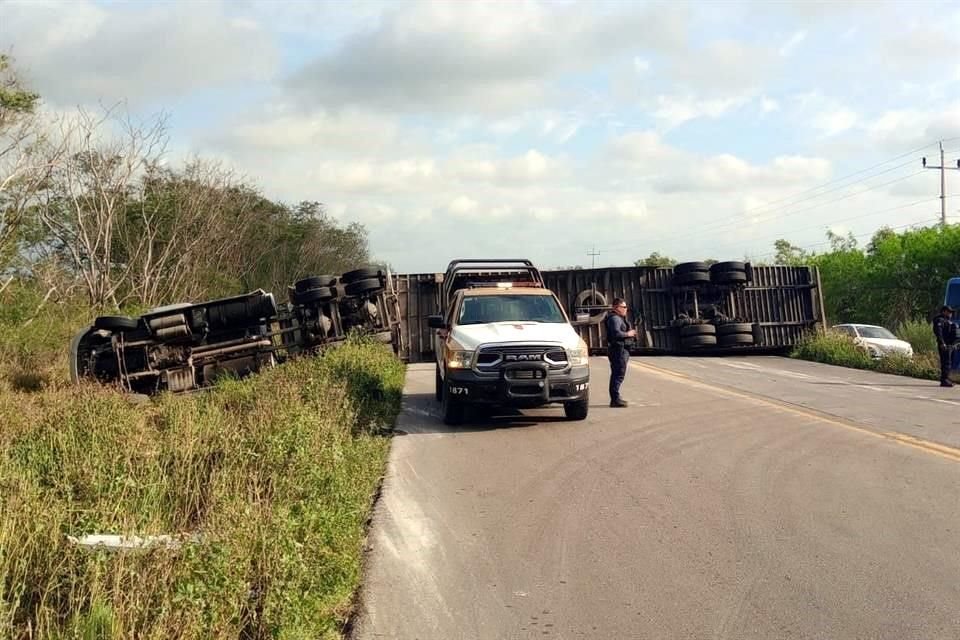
(735, 327)
(361, 287)
(698, 341)
(732, 265)
(116, 323)
(453, 410)
(361, 274)
(320, 294)
(314, 282)
(697, 330)
(729, 277)
(577, 410)
(690, 267)
(691, 278)
(438, 393)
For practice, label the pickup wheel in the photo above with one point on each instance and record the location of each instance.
(453, 410)
(577, 410)
(438, 393)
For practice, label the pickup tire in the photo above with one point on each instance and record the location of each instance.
(116, 323)
(577, 410)
(361, 287)
(438, 392)
(452, 409)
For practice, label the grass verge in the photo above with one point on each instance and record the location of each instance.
(271, 478)
(838, 349)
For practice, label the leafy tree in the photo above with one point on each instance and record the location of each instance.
(656, 260)
(789, 254)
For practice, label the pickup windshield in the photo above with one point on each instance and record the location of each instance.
(509, 308)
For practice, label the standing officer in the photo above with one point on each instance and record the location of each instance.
(946, 333)
(618, 331)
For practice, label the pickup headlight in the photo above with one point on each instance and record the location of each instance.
(459, 359)
(578, 357)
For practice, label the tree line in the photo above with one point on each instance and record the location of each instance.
(91, 205)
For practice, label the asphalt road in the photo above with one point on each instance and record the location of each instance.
(746, 498)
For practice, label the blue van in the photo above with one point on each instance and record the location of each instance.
(952, 298)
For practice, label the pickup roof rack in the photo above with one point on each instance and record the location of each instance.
(477, 272)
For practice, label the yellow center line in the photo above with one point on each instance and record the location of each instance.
(927, 446)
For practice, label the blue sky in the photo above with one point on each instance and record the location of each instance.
(537, 128)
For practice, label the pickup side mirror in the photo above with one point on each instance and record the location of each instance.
(435, 322)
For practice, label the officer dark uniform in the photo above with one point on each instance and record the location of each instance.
(618, 332)
(946, 332)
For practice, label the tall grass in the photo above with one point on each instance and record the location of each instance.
(270, 478)
(839, 349)
(919, 334)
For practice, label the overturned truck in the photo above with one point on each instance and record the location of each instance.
(183, 347)
(703, 308)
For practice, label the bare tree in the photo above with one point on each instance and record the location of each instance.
(21, 174)
(89, 188)
(186, 231)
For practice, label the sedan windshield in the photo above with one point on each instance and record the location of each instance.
(876, 332)
(509, 308)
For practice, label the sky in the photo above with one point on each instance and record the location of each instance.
(545, 130)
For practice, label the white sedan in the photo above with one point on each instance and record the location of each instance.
(877, 341)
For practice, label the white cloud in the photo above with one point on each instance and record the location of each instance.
(835, 121)
(791, 44)
(478, 56)
(81, 52)
(769, 105)
(463, 206)
(673, 111)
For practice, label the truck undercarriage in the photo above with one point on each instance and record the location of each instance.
(184, 347)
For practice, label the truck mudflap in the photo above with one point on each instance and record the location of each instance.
(520, 384)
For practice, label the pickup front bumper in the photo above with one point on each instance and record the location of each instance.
(519, 384)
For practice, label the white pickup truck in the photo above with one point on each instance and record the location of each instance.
(505, 340)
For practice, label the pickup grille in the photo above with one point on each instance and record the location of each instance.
(493, 357)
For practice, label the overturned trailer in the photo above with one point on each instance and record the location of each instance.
(182, 347)
(694, 307)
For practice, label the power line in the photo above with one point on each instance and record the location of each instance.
(862, 235)
(735, 218)
(701, 230)
(848, 219)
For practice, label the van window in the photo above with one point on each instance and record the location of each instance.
(953, 295)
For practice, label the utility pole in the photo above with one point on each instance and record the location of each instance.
(943, 183)
(593, 253)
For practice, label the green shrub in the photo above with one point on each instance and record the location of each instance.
(273, 474)
(833, 347)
